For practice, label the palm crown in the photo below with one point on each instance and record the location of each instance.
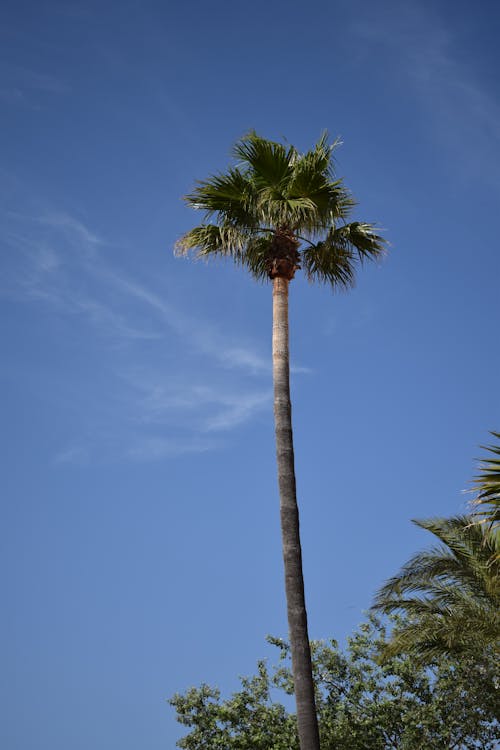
(278, 210)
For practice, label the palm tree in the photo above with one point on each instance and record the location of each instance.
(276, 211)
(450, 593)
(487, 486)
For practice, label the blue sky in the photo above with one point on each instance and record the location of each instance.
(141, 550)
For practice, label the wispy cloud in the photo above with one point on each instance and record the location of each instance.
(69, 248)
(464, 113)
(206, 407)
(152, 411)
(153, 449)
(68, 232)
(27, 87)
(73, 454)
(133, 446)
(147, 419)
(238, 357)
(47, 268)
(106, 319)
(202, 336)
(205, 338)
(74, 229)
(237, 409)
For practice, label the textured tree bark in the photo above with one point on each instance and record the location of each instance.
(307, 721)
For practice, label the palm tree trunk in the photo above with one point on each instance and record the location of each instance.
(292, 556)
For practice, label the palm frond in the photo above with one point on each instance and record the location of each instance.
(471, 545)
(334, 259)
(429, 636)
(451, 593)
(487, 485)
(269, 163)
(314, 176)
(328, 201)
(323, 147)
(257, 256)
(211, 239)
(329, 264)
(231, 197)
(362, 238)
(464, 561)
(434, 568)
(439, 598)
(251, 251)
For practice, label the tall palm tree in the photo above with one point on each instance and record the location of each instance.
(487, 486)
(276, 211)
(450, 593)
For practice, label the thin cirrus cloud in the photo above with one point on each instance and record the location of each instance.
(452, 94)
(56, 260)
(73, 454)
(29, 88)
(207, 408)
(46, 277)
(43, 272)
(49, 263)
(152, 449)
(200, 335)
(136, 447)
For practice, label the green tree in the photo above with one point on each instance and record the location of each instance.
(363, 703)
(450, 593)
(275, 211)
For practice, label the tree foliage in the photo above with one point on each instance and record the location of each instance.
(363, 703)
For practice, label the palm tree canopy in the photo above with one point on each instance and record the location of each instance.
(277, 210)
(451, 593)
(487, 485)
